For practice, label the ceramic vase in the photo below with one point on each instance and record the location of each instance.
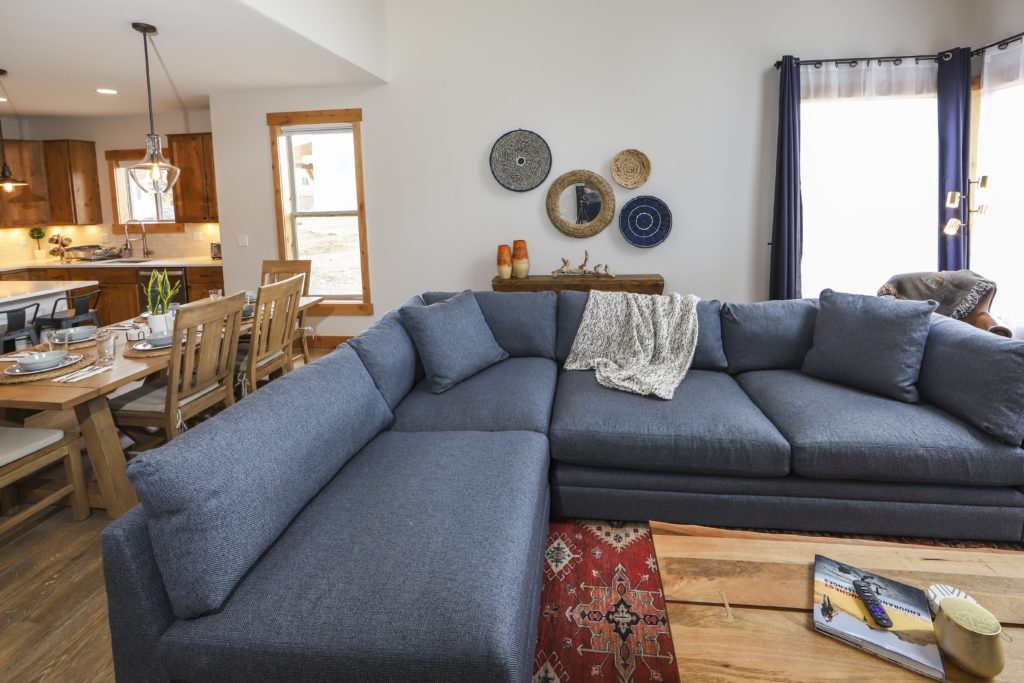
(504, 261)
(160, 324)
(520, 259)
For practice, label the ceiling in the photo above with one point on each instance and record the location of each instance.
(57, 52)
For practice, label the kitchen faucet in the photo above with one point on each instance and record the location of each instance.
(146, 252)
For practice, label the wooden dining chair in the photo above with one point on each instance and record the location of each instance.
(268, 350)
(199, 377)
(275, 271)
(24, 452)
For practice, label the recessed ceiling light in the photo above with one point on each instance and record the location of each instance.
(106, 91)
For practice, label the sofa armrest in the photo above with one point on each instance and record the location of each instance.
(138, 607)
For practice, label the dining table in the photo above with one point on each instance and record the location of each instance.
(88, 399)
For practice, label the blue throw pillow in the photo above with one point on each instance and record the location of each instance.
(870, 343)
(453, 340)
(769, 335)
(977, 376)
(523, 323)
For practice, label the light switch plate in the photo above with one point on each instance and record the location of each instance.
(242, 240)
(105, 239)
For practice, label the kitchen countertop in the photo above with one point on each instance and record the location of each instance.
(172, 262)
(17, 290)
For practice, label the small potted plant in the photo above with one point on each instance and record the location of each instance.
(38, 234)
(159, 293)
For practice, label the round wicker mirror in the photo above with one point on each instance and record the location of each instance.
(590, 195)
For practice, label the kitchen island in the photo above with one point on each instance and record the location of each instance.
(21, 293)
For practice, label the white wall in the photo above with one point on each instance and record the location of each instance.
(995, 19)
(352, 29)
(690, 83)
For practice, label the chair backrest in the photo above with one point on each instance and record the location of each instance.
(275, 271)
(204, 348)
(273, 324)
(17, 318)
(84, 302)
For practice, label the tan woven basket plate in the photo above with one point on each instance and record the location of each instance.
(631, 168)
(87, 359)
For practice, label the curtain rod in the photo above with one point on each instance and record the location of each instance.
(1001, 44)
(853, 61)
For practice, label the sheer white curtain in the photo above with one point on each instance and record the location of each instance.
(868, 164)
(997, 239)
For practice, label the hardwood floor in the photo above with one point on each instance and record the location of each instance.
(53, 607)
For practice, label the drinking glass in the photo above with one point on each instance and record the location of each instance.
(58, 340)
(216, 294)
(105, 347)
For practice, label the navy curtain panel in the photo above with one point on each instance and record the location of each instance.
(954, 96)
(787, 217)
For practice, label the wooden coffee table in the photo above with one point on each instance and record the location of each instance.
(739, 603)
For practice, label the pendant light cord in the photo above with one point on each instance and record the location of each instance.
(149, 88)
(174, 86)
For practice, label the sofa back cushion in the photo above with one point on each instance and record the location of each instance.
(389, 355)
(707, 356)
(218, 496)
(769, 335)
(871, 343)
(976, 376)
(453, 340)
(523, 323)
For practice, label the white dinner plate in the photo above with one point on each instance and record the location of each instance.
(18, 371)
(146, 346)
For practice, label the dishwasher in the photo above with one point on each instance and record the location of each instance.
(175, 275)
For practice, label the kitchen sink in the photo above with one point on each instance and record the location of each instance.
(134, 260)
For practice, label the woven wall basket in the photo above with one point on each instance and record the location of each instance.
(631, 168)
(571, 228)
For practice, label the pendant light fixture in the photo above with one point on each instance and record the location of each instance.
(154, 173)
(8, 182)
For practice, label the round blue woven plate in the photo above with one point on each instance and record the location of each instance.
(645, 221)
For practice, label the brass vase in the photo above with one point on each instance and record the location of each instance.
(970, 636)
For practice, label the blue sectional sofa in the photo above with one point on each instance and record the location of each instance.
(347, 523)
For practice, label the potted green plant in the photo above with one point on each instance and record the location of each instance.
(38, 234)
(159, 293)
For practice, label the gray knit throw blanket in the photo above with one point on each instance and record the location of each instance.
(957, 291)
(638, 343)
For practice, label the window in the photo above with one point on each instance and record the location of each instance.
(317, 167)
(132, 205)
(868, 164)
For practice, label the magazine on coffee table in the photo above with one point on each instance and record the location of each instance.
(884, 617)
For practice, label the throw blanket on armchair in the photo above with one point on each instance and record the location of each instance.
(639, 343)
(957, 291)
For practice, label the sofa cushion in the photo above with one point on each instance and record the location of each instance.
(707, 356)
(839, 432)
(770, 335)
(523, 323)
(420, 561)
(452, 339)
(218, 496)
(869, 342)
(976, 375)
(389, 355)
(709, 427)
(515, 394)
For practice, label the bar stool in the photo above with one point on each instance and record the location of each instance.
(82, 309)
(18, 326)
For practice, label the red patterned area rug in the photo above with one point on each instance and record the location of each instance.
(603, 614)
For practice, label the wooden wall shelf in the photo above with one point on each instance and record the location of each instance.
(639, 284)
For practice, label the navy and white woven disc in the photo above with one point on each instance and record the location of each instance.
(645, 221)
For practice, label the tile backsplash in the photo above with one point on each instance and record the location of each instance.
(16, 246)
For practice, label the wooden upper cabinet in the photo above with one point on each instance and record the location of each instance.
(74, 182)
(26, 206)
(195, 194)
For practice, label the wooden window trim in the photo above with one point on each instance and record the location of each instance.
(275, 121)
(114, 156)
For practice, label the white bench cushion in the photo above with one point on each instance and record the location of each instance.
(17, 442)
(150, 398)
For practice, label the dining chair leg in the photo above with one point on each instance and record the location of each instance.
(9, 500)
(76, 477)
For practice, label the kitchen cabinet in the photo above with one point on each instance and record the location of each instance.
(195, 194)
(119, 293)
(14, 275)
(202, 280)
(26, 206)
(73, 181)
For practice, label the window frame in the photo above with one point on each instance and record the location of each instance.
(276, 121)
(114, 157)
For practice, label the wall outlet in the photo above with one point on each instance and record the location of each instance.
(197, 236)
(105, 238)
(242, 240)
